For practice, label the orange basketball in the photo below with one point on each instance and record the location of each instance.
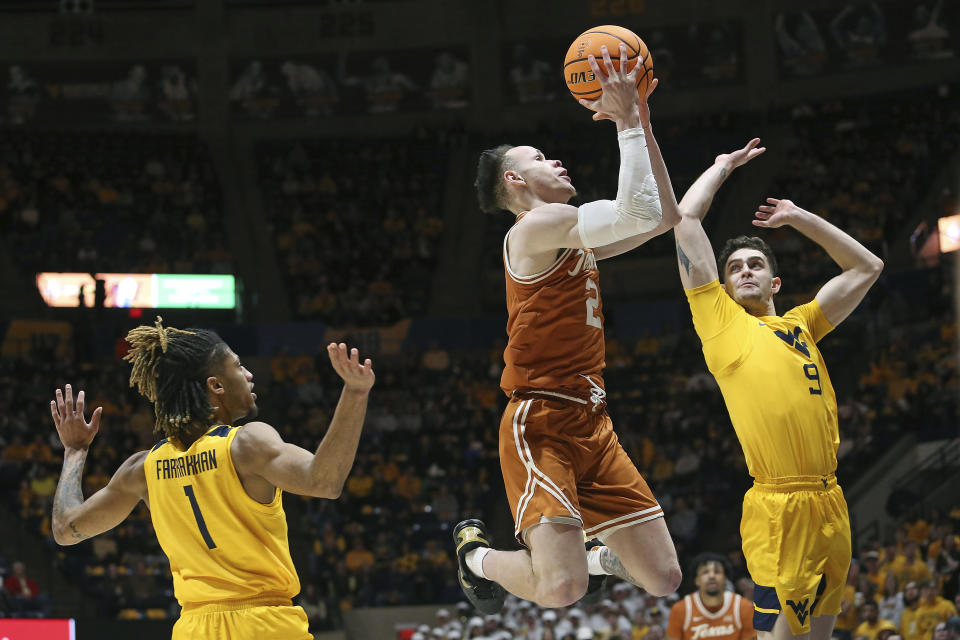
(576, 68)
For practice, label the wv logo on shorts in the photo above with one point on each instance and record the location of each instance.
(793, 339)
(800, 609)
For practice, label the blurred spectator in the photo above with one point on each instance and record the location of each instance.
(947, 564)
(860, 31)
(23, 95)
(872, 624)
(448, 84)
(26, 597)
(529, 76)
(314, 606)
(932, 609)
(909, 627)
(891, 604)
(384, 88)
(327, 223)
(313, 88)
(928, 37)
(96, 196)
(910, 567)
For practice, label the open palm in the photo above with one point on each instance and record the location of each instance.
(742, 156)
(74, 430)
(775, 213)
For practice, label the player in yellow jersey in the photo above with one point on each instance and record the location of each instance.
(213, 489)
(795, 527)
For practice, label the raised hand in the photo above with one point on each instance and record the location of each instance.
(776, 213)
(356, 376)
(741, 157)
(619, 101)
(74, 431)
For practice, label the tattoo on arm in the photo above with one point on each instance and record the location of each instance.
(76, 532)
(610, 562)
(682, 257)
(68, 493)
(723, 174)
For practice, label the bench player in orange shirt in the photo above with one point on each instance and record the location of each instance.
(711, 612)
(565, 473)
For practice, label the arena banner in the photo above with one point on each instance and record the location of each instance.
(850, 36)
(98, 92)
(366, 82)
(684, 56)
(139, 290)
(34, 629)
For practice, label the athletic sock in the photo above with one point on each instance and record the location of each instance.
(593, 562)
(474, 561)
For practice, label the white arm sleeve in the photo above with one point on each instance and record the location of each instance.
(637, 207)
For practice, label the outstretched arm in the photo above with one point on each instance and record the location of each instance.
(260, 450)
(843, 293)
(695, 256)
(694, 253)
(75, 519)
(636, 209)
(696, 201)
(668, 201)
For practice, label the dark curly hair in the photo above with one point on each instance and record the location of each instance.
(491, 189)
(746, 242)
(705, 558)
(170, 368)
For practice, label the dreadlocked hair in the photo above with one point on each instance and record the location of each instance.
(170, 368)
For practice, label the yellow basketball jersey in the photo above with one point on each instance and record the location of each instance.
(774, 382)
(222, 544)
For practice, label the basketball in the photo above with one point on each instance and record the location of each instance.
(576, 68)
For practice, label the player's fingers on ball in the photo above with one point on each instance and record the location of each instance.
(595, 67)
(623, 60)
(607, 61)
(650, 87)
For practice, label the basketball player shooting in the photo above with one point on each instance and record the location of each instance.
(564, 470)
(711, 612)
(795, 527)
(214, 490)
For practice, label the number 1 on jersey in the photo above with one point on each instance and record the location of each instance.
(593, 301)
(188, 489)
